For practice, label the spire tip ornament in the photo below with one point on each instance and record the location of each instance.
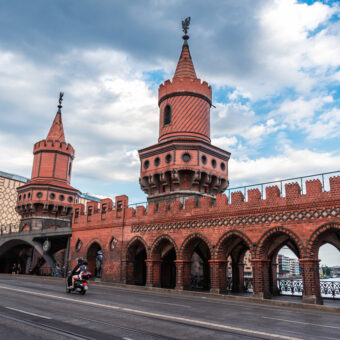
(61, 95)
(185, 27)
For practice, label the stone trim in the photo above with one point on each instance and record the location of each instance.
(300, 215)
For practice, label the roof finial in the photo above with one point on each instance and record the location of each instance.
(185, 28)
(61, 95)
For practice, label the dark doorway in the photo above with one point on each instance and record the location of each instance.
(136, 266)
(95, 259)
(168, 269)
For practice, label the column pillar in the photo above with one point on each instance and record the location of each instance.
(180, 274)
(275, 289)
(66, 256)
(218, 273)
(186, 274)
(311, 281)
(240, 267)
(153, 273)
(261, 278)
(123, 271)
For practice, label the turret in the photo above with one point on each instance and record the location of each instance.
(183, 163)
(49, 194)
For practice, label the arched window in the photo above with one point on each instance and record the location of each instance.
(167, 115)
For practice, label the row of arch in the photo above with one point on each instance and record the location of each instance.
(197, 264)
(264, 247)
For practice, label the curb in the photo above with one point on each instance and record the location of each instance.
(266, 302)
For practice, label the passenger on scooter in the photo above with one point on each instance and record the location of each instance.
(82, 269)
(74, 272)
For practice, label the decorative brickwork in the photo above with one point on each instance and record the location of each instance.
(8, 198)
(243, 221)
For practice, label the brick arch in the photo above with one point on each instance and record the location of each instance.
(191, 237)
(261, 244)
(159, 239)
(132, 241)
(95, 240)
(314, 242)
(228, 234)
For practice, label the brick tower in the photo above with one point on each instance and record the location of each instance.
(48, 199)
(183, 163)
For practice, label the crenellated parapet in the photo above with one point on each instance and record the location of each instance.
(236, 211)
(183, 86)
(53, 145)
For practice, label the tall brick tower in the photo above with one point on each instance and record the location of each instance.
(183, 163)
(48, 199)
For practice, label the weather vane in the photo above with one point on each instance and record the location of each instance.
(185, 27)
(61, 95)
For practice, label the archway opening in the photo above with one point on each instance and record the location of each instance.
(18, 259)
(287, 272)
(136, 266)
(235, 251)
(168, 269)
(164, 252)
(198, 254)
(326, 248)
(281, 265)
(95, 259)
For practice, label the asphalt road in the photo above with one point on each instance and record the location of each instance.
(32, 308)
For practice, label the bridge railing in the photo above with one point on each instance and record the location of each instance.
(11, 228)
(328, 288)
(323, 177)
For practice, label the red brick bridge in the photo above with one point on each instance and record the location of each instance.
(154, 246)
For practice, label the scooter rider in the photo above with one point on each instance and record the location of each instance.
(75, 271)
(83, 269)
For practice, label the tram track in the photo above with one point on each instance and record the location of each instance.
(114, 314)
(56, 330)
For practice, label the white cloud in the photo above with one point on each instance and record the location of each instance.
(311, 116)
(290, 163)
(326, 127)
(224, 142)
(108, 111)
(294, 45)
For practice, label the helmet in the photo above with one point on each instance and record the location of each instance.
(80, 260)
(85, 262)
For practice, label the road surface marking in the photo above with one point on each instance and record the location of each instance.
(303, 323)
(157, 315)
(166, 303)
(29, 313)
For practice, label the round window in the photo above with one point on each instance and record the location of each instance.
(222, 166)
(157, 161)
(146, 164)
(29, 195)
(61, 197)
(186, 157)
(24, 196)
(20, 197)
(52, 196)
(168, 158)
(204, 159)
(70, 199)
(213, 163)
(39, 194)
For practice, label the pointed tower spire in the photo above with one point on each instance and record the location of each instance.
(185, 67)
(57, 130)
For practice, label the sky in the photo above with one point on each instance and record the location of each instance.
(273, 65)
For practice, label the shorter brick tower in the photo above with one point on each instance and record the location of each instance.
(48, 199)
(183, 163)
